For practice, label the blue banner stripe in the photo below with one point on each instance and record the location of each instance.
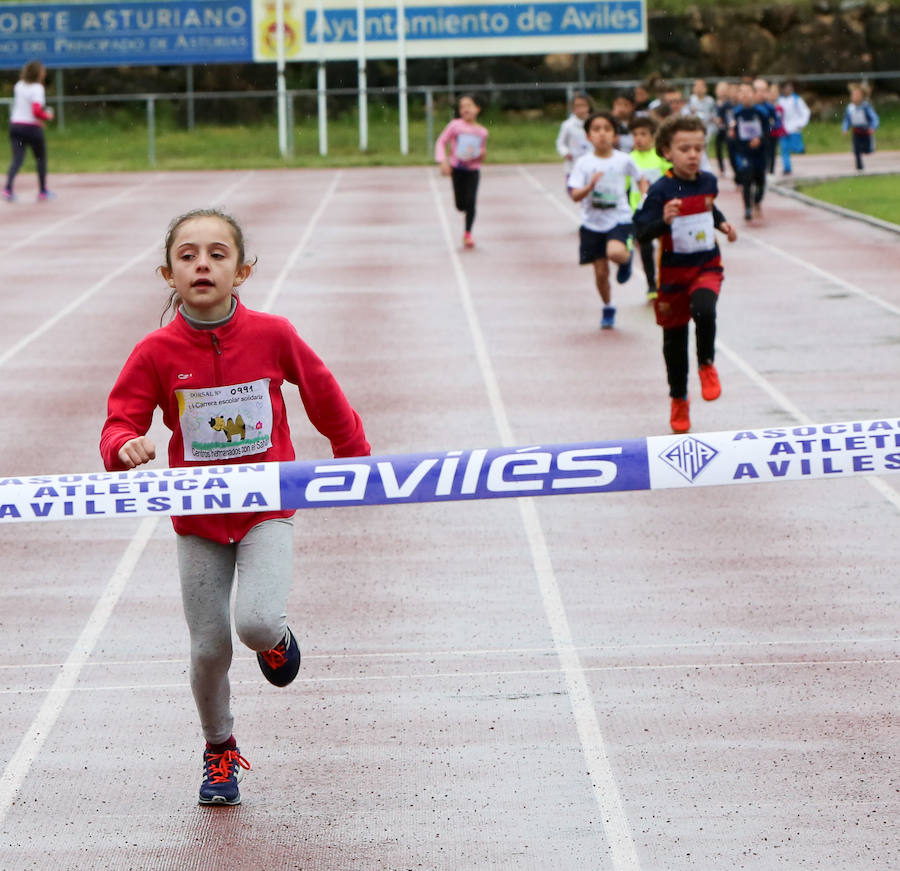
(658, 462)
(481, 21)
(494, 473)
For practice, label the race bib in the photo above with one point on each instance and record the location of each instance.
(606, 195)
(692, 233)
(468, 146)
(858, 117)
(749, 128)
(225, 423)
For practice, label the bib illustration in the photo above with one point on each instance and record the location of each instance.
(225, 423)
(606, 194)
(691, 233)
(468, 146)
(858, 117)
(749, 128)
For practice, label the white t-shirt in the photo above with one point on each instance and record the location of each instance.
(25, 95)
(607, 205)
(572, 139)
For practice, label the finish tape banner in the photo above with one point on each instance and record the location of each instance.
(834, 450)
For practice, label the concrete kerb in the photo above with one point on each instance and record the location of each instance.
(786, 188)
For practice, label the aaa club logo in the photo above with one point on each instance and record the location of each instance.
(689, 457)
(267, 30)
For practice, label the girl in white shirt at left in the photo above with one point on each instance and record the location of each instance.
(26, 127)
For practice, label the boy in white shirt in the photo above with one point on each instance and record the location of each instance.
(597, 181)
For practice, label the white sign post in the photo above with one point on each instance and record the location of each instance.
(321, 83)
(402, 96)
(281, 87)
(361, 76)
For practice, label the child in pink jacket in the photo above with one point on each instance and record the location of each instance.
(467, 140)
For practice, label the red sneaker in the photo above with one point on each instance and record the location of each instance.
(468, 241)
(680, 417)
(710, 387)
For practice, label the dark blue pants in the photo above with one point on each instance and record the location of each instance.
(22, 136)
(862, 144)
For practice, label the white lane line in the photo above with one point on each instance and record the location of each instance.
(569, 209)
(33, 740)
(56, 226)
(878, 484)
(311, 225)
(622, 851)
(764, 384)
(822, 273)
(505, 673)
(83, 297)
(670, 647)
(745, 234)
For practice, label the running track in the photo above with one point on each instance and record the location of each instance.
(687, 679)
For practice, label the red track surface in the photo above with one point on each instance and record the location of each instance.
(688, 679)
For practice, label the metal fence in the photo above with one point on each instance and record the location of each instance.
(429, 99)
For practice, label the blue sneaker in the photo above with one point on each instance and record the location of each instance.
(8, 195)
(623, 273)
(281, 664)
(43, 196)
(608, 321)
(222, 772)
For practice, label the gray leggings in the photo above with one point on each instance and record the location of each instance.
(263, 562)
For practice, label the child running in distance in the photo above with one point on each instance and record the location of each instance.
(213, 350)
(643, 131)
(598, 182)
(26, 127)
(861, 121)
(680, 210)
(467, 140)
(763, 94)
(623, 112)
(750, 132)
(795, 116)
(701, 104)
(572, 141)
(724, 121)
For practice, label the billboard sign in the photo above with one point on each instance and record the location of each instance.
(177, 32)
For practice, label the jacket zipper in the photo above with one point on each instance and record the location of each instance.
(217, 366)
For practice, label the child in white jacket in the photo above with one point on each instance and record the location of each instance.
(572, 141)
(794, 116)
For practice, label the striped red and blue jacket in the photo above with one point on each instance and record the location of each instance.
(679, 267)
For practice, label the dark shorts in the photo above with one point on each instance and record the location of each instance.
(673, 305)
(593, 244)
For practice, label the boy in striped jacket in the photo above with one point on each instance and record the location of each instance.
(681, 212)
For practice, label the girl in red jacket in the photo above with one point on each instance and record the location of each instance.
(216, 372)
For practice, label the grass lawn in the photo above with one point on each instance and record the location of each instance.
(119, 141)
(878, 195)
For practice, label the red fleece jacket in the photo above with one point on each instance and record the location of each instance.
(179, 367)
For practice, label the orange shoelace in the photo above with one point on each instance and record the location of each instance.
(219, 765)
(276, 657)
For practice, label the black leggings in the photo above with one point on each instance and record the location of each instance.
(675, 341)
(22, 136)
(722, 148)
(648, 259)
(753, 182)
(465, 189)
